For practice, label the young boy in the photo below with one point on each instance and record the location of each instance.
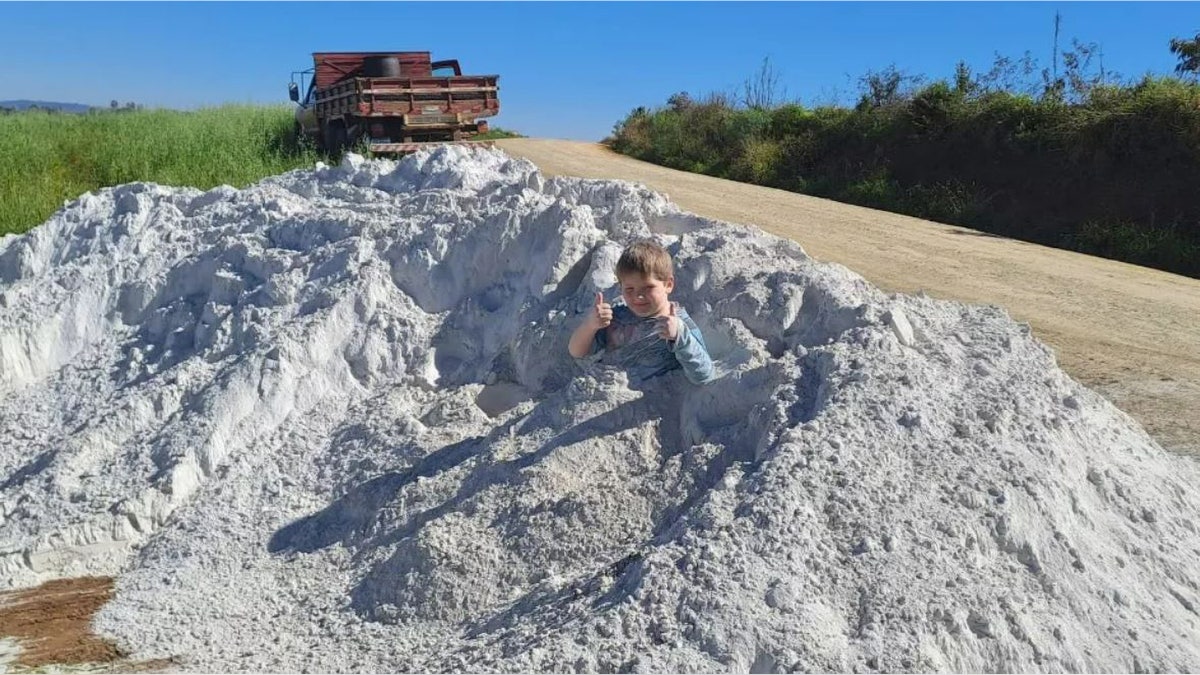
(649, 335)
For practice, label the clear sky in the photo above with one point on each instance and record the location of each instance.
(567, 70)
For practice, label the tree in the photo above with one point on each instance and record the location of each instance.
(1012, 76)
(1054, 49)
(886, 87)
(762, 92)
(964, 83)
(1188, 53)
(1078, 78)
(680, 101)
(114, 104)
(1077, 69)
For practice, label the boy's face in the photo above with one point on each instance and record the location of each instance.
(646, 295)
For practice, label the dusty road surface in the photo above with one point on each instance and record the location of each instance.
(1129, 332)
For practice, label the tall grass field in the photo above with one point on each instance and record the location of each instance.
(47, 158)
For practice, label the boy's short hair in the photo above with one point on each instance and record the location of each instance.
(646, 257)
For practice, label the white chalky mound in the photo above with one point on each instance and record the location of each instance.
(329, 423)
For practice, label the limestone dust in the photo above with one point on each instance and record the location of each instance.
(329, 423)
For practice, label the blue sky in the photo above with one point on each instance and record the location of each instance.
(567, 70)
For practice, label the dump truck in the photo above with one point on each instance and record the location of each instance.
(397, 102)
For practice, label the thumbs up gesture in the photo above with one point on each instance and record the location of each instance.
(667, 325)
(602, 313)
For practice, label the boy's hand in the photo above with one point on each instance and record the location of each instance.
(601, 314)
(668, 325)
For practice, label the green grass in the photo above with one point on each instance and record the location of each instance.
(48, 158)
(496, 133)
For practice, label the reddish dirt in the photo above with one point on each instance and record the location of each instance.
(52, 624)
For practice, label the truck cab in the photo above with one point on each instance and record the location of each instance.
(306, 115)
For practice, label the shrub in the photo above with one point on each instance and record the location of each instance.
(1163, 247)
(791, 120)
(1033, 162)
(878, 192)
(759, 161)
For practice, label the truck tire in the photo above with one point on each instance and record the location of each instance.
(335, 138)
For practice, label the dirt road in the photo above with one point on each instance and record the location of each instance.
(1129, 332)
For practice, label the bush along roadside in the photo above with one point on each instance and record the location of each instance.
(1098, 167)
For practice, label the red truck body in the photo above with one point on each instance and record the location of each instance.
(394, 101)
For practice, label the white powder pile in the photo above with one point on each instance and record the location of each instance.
(329, 423)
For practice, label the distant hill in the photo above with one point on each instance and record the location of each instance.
(53, 105)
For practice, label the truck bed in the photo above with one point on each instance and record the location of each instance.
(434, 99)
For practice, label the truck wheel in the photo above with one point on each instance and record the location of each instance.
(335, 139)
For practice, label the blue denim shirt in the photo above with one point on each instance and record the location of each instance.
(632, 342)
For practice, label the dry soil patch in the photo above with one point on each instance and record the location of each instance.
(52, 625)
